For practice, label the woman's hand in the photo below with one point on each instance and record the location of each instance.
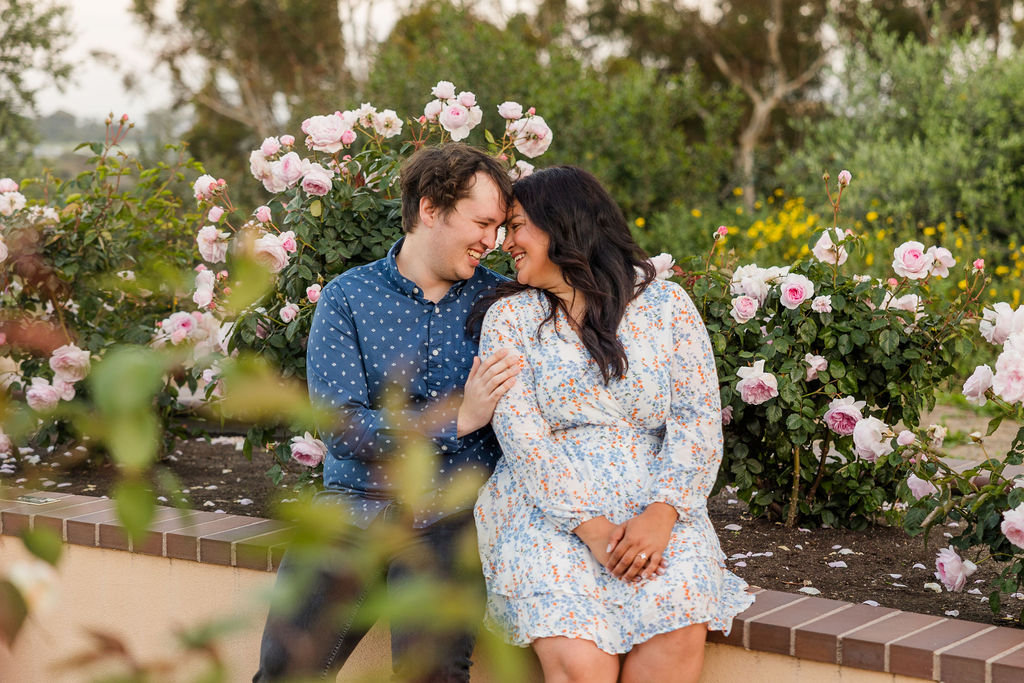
(637, 546)
(487, 382)
(601, 536)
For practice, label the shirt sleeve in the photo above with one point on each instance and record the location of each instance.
(337, 381)
(538, 462)
(685, 469)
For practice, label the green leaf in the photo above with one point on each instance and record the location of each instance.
(993, 424)
(889, 341)
(13, 611)
(136, 505)
(794, 421)
(316, 208)
(43, 543)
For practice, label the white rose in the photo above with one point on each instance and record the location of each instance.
(794, 290)
(869, 441)
(827, 249)
(323, 133)
(70, 363)
(444, 90)
(1001, 321)
(531, 136)
(510, 110)
(910, 260)
(977, 384)
(212, 243)
(943, 261)
(744, 308)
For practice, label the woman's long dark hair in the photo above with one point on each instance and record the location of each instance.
(590, 241)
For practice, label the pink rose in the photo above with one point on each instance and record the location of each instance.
(323, 133)
(288, 169)
(11, 202)
(952, 570)
(905, 438)
(212, 243)
(919, 488)
(726, 415)
(521, 170)
(455, 119)
(815, 364)
(6, 445)
(510, 110)
(288, 312)
(869, 440)
(1008, 381)
(822, 304)
(42, 396)
(204, 186)
(203, 295)
(531, 136)
(433, 110)
(178, 327)
(942, 261)
(663, 265)
(270, 147)
(263, 214)
(744, 308)
(66, 390)
(8, 185)
(387, 123)
(467, 99)
(269, 251)
(721, 231)
(307, 450)
(1000, 322)
(977, 384)
(3, 250)
(215, 213)
(317, 180)
(1013, 525)
(844, 178)
(288, 241)
(756, 386)
(843, 414)
(70, 363)
(313, 293)
(910, 260)
(794, 290)
(828, 250)
(259, 166)
(979, 264)
(444, 90)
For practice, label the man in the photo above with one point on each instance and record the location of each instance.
(397, 327)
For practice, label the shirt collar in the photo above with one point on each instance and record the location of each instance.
(407, 286)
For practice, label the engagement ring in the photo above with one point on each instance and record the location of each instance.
(642, 556)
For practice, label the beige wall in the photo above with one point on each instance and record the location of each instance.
(143, 600)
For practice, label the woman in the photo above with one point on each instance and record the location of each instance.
(593, 529)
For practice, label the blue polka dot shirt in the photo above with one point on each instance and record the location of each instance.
(391, 366)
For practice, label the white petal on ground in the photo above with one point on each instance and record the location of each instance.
(896, 576)
(810, 590)
(838, 564)
(799, 547)
(740, 564)
(245, 501)
(846, 551)
(806, 531)
(732, 527)
(208, 504)
(836, 547)
(918, 565)
(731, 501)
(974, 591)
(952, 613)
(873, 603)
(898, 585)
(932, 586)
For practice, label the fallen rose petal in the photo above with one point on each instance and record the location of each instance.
(931, 586)
(872, 603)
(740, 564)
(952, 613)
(918, 565)
(810, 590)
(838, 564)
(846, 551)
(896, 576)
(733, 527)
(898, 585)
(974, 591)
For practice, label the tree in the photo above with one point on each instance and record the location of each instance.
(33, 36)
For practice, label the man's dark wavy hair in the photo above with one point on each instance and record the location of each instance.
(444, 175)
(591, 242)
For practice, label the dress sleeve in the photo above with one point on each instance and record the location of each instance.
(337, 379)
(539, 463)
(684, 470)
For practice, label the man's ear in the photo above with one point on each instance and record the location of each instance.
(428, 212)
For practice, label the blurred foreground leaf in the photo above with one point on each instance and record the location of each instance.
(135, 504)
(13, 611)
(43, 543)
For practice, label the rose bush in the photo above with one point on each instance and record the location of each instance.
(335, 205)
(986, 500)
(817, 364)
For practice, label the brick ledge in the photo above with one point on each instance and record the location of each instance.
(831, 631)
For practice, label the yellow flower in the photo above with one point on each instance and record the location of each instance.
(959, 243)
(869, 259)
(640, 222)
(804, 250)
(696, 213)
(738, 191)
(942, 227)
(1016, 297)
(739, 210)
(993, 293)
(778, 192)
(929, 230)
(1002, 270)
(880, 235)
(962, 284)
(771, 200)
(872, 216)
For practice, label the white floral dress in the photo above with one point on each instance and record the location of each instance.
(575, 448)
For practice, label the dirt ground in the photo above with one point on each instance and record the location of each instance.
(881, 564)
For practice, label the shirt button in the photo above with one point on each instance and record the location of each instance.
(437, 309)
(435, 352)
(415, 290)
(443, 447)
(433, 392)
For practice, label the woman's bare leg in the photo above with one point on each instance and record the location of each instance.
(673, 657)
(571, 660)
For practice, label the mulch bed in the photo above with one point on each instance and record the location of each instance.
(883, 564)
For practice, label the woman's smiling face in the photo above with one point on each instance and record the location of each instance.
(528, 246)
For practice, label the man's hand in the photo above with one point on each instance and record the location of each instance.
(637, 545)
(487, 382)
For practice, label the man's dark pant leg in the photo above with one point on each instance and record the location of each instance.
(316, 617)
(438, 653)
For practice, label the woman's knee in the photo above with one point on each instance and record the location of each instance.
(674, 656)
(570, 660)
